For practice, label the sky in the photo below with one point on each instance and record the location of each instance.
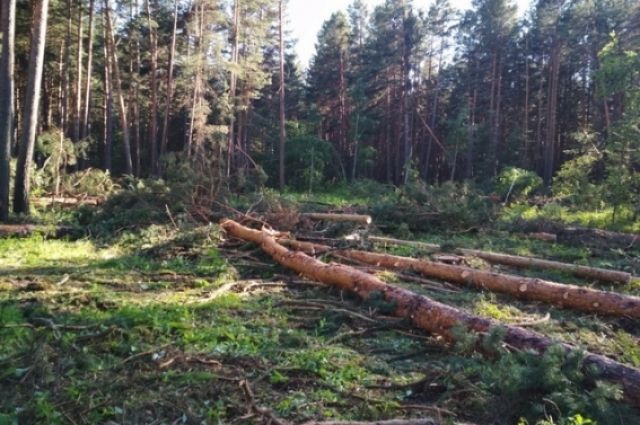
(306, 18)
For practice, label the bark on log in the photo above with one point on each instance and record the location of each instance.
(66, 201)
(357, 218)
(425, 313)
(596, 237)
(563, 295)
(391, 241)
(417, 421)
(21, 230)
(603, 275)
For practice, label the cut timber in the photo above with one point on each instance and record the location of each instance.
(564, 295)
(580, 236)
(586, 272)
(417, 421)
(21, 230)
(425, 313)
(356, 218)
(541, 236)
(66, 201)
(603, 275)
(415, 244)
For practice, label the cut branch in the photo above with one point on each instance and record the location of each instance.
(425, 313)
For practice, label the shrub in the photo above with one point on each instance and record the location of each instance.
(516, 184)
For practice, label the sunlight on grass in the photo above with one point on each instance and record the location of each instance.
(35, 252)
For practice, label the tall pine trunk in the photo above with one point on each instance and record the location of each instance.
(87, 91)
(552, 113)
(153, 88)
(233, 86)
(32, 102)
(406, 88)
(7, 113)
(164, 139)
(283, 134)
(77, 111)
(115, 72)
(107, 135)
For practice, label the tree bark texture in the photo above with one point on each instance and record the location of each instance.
(117, 85)
(32, 103)
(7, 113)
(564, 295)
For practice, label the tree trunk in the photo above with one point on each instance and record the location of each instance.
(32, 102)
(425, 313)
(471, 133)
(406, 89)
(153, 88)
(552, 113)
(87, 91)
(569, 296)
(357, 218)
(563, 295)
(77, 111)
(115, 69)
(232, 86)
(107, 134)
(283, 134)
(64, 83)
(497, 118)
(525, 120)
(586, 272)
(7, 113)
(164, 139)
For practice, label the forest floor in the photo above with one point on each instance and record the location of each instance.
(172, 326)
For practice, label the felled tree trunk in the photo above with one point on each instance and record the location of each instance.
(563, 295)
(602, 275)
(357, 218)
(22, 230)
(423, 312)
(598, 237)
(586, 272)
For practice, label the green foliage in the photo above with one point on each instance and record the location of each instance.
(57, 153)
(575, 181)
(516, 184)
(310, 162)
(89, 182)
(141, 203)
(449, 205)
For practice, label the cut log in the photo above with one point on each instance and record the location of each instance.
(417, 421)
(541, 236)
(425, 313)
(22, 230)
(414, 244)
(356, 218)
(66, 201)
(581, 236)
(563, 295)
(603, 275)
